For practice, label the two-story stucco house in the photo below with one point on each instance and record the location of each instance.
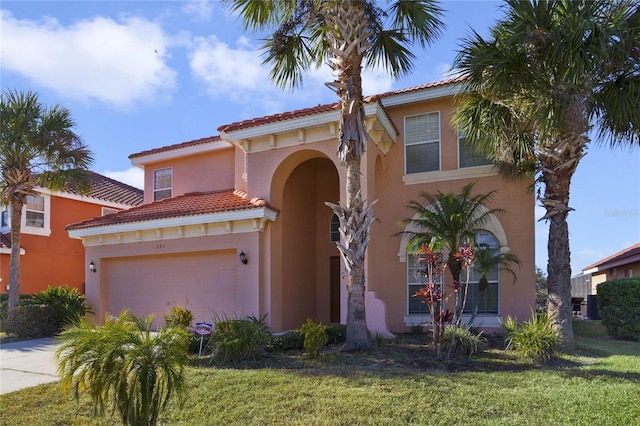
(236, 224)
(48, 255)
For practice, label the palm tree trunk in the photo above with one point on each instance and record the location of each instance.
(14, 262)
(559, 161)
(357, 332)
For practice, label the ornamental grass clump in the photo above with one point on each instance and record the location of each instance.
(463, 339)
(534, 341)
(237, 339)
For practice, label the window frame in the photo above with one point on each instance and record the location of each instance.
(157, 181)
(460, 136)
(334, 228)
(437, 141)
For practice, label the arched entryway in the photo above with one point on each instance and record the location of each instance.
(301, 244)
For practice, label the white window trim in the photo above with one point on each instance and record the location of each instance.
(439, 142)
(163, 189)
(459, 152)
(45, 231)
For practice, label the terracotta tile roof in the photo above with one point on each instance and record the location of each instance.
(621, 256)
(181, 145)
(325, 108)
(192, 204)
(107, 189)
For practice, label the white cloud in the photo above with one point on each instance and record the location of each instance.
(117, 63)
(133, 176)
(237, 74)
(200, 10)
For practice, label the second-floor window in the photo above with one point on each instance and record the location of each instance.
(422, 143)
(34, 211)
(162, 183)
(4, 217)
(468, 156)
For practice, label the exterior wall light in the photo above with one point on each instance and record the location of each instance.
(243, 258)
(92, 267)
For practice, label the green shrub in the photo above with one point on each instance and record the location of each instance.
(534, 341)
(619, 307)
(4, 308)
(291, 340)
(238, 339)
(31, 321)
(464, 340)
(315, 337)
(336, 333)
(178, 316)
(68, 304)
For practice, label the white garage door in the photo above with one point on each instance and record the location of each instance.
(204, 283)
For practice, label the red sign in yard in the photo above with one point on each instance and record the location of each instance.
(203, 329)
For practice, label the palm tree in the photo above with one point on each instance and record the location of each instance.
(452, 219)
(550, 73)
(125, 364)
(37, 149)
(486, 261)
(349, 34)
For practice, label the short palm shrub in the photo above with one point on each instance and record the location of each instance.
(67, 303)
(315, 337)
(534, 341)
(31, 321)
(238, 339)
(619, 307)
(463, 339)
(178, 316)
(124, 365)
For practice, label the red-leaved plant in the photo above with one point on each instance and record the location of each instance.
(432, 294)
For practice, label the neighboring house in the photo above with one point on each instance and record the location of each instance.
(623, 264)
(236, 224)
(48, 255)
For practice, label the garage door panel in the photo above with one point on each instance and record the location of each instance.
(205, 283)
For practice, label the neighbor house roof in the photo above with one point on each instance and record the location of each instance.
(621, 258)
(192, 204)
(105, 189)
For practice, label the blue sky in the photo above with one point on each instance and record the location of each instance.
(138, 75)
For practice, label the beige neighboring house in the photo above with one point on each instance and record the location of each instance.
(623, 264)
(236, 224)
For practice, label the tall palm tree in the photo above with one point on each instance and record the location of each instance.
(37, 149)
(125, 364)
(486, 261)
(451, 218)
(550, 73)
(349, 34)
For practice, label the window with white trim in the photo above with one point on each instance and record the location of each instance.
(422, 142)
(486, 300)
(468, 155)
(4, 217)
(162, 183)
(34, 215)
(334, 228)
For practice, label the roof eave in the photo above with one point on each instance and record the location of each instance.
(230, 216)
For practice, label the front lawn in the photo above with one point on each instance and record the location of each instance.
(395, 385)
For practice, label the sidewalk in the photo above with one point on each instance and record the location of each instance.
(27, 363)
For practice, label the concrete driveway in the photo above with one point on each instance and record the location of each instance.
(27, 363)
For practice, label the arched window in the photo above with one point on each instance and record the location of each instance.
(334, 228)
(487, 300)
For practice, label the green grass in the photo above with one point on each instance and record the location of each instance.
(397, 385)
